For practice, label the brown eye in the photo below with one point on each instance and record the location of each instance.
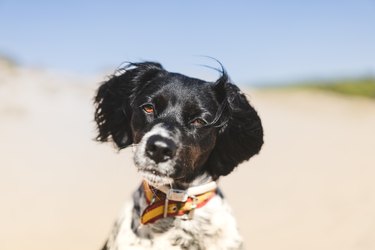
(148, 108)
(198, 122)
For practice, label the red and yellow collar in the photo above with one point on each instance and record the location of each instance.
(165, 202)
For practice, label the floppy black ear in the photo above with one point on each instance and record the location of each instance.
(113, 101)
(241, 133)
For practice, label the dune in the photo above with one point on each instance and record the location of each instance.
(311, 187)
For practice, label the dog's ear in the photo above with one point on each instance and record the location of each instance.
(113, 101)
(240, 134)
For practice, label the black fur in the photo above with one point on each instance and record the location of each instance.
(114, 98)
(233, 132)
(241, 135)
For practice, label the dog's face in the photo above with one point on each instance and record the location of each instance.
(182, 127)
(170, 126)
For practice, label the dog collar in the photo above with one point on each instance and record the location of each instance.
(165, 202)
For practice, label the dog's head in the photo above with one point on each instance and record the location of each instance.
(182, 127)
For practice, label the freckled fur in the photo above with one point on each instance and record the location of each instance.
(213, 227)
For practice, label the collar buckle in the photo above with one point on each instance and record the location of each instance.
(177, 195)
(174, 195)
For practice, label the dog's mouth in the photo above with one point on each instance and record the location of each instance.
(155, 178)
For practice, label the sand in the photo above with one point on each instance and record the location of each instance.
(312, 186)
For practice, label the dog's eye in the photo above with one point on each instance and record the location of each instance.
(148, 108)
(198, 122)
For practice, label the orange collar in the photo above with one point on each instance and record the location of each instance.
(161, 205)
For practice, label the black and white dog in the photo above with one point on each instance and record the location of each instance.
(187, 133)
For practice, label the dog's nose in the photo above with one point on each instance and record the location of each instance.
(160, 149)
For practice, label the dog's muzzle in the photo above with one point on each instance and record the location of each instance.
(156, 155)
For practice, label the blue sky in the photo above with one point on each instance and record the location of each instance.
(257, 41)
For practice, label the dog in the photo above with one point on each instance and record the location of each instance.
(187, 133)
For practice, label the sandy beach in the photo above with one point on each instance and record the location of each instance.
(311, 187)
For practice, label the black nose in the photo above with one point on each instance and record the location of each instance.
(160, 149)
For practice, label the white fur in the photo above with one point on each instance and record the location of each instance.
(147, 165)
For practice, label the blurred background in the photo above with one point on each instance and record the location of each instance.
(308, 67)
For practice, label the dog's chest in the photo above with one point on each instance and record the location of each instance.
(213, 227)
